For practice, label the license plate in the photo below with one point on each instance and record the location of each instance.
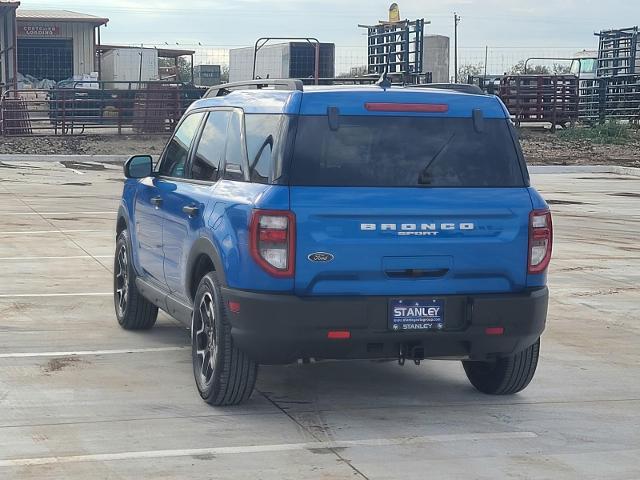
(416, 315)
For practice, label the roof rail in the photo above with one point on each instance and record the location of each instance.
(278, 84)
(456, 87)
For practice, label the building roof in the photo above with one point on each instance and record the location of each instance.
(59, 16)
(162, 52)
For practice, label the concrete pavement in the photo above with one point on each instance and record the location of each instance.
(81, 398)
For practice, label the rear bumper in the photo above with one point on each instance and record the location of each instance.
(277, 329)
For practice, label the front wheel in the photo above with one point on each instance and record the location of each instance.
(224, 375)
(134, 312)
(505, 375)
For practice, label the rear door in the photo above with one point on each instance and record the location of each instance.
(408, 206)
(188, 199)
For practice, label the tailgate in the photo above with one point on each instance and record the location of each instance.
(410, 241)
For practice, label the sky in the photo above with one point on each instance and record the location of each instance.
(510, 28)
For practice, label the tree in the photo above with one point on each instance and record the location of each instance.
(224, 73)
(561, 68)
(468, 70)
(183, 73)
(518, 69)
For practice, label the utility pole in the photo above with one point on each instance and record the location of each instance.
(456, 21)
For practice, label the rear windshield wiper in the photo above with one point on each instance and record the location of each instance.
(424, 177)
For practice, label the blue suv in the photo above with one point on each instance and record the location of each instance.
(285, 223)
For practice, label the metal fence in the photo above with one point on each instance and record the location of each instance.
(155, 107)
(125, 107)
(541, 98)
(617, 52)
(611, 98)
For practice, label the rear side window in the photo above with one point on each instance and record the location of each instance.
(386, 151)
(177, 151)
(208, 156)
(265, 146)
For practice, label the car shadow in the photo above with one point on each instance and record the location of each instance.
(367, 384)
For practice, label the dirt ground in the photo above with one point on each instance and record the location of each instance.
(106, 144)
(541, 147)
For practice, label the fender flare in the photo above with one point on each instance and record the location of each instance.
(122, 215)
(204, 246)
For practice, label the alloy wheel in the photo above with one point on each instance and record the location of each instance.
(122, 280)
(205, 343)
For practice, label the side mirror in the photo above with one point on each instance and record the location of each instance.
(138, 166)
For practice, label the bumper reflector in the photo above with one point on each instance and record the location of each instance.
(494, 330)
(338, 334)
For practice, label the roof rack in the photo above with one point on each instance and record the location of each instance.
(280, 84)
(457, 87)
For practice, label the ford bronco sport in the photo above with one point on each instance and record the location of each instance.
(284, 223)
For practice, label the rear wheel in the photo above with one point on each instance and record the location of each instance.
(134, 312)
(505, 375)
(224, 375)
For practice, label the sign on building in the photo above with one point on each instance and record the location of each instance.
(39, 31)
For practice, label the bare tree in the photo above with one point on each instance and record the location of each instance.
(468, 70)
(518, 69)
(561, 68)
(224, 73)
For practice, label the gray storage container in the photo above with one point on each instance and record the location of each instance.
(282, 60)
(206, 75)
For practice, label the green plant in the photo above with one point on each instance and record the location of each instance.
(606, 133)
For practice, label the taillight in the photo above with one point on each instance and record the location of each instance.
(273, 241)
(540, 240)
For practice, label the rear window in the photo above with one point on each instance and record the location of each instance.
(386, 151)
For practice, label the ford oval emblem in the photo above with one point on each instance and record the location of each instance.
(320, 257)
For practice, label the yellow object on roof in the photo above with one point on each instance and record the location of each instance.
(394, 13)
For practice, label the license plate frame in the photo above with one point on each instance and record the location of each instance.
(416, 315)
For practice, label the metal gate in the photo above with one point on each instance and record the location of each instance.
(139, 108)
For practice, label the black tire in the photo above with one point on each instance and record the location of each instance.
(224, 375)
(506, 375)
(133, 311)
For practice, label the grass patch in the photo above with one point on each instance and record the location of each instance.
(610, 133)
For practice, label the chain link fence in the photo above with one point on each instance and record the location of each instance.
(352, 60)
(501, 60)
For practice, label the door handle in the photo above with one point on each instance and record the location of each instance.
(156, 201)
(191, 210)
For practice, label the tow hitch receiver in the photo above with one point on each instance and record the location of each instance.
(411, 352)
